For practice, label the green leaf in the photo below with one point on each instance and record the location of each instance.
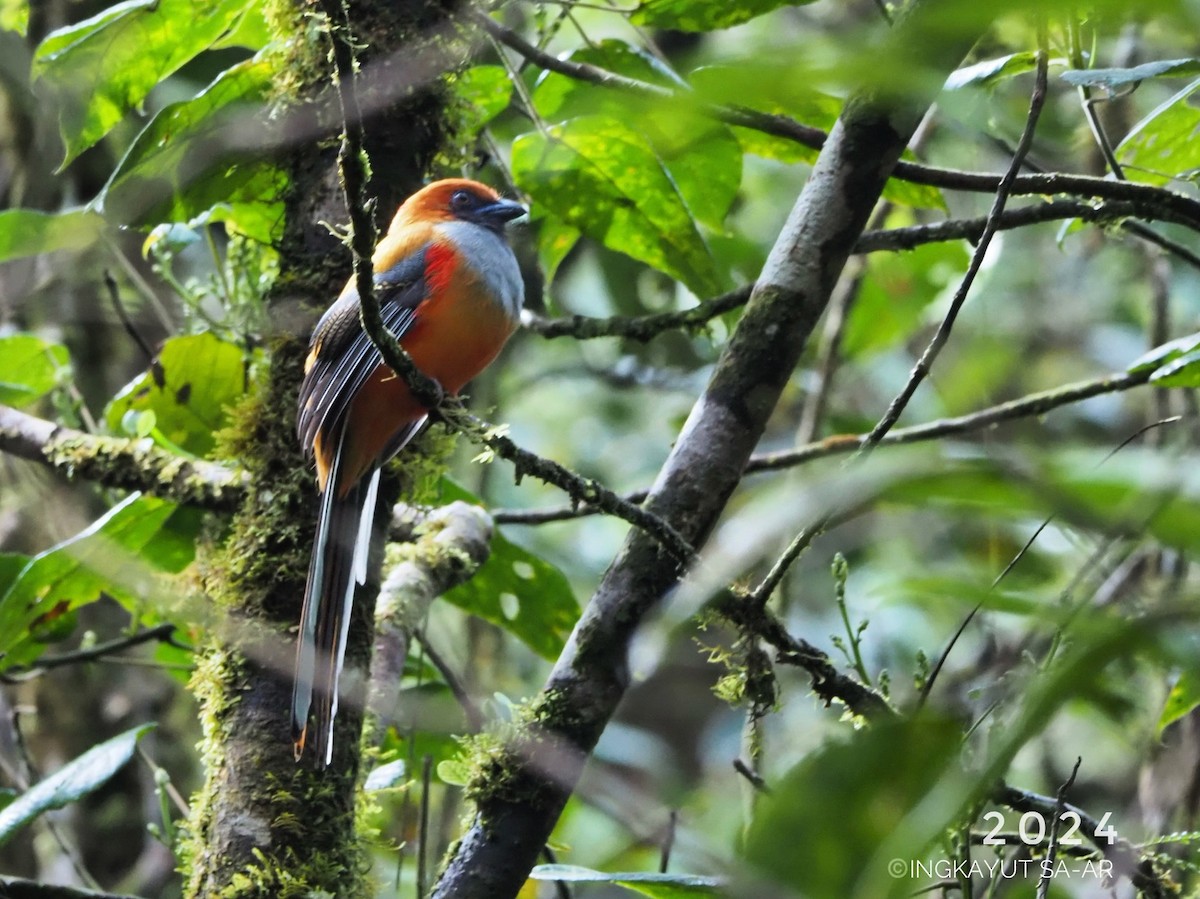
(656, 886)
(483, 93)
(702, 157)
(518, 591)
(990, 71)
(29, 368)
(554, 241)
(1114, 79)
(1164, 353)
(1183, 371)
(196, 379)
(604, 177)
(14, 16)
(119, 555)
(194, 155)
(870, 784)
(1184, 697)
(102, 68)
(1162, 146)
(29, 232)
(73, 781)
(455, 771)
(252, 31)
(897, 290)
(704, 15)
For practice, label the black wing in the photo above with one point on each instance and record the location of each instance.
(345, 355)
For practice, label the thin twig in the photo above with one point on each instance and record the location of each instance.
(668, 843)
(1060, 802)
(1029, 406)
(163, 633)
(753, 777)
(472, 711)
(942, 335)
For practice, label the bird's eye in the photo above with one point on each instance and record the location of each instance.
(461, 199)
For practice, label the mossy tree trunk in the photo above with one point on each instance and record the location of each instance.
(263, 825)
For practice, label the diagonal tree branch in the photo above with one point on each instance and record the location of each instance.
(533, 778)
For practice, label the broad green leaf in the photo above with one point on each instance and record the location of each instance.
(603, 177)
(119, 555)
(704, 15)
(251, 30)
(14, 16)
(11, 565)
(190, 389)
(1183, 698)
(557, 97)
(1114, 79)
(523, 594)
(872, 785)
(518, 591)
(554, 241)
(656, 886)
(1162, 146)
(484, 92)
(102, 68)
(702, 157)
(29, 232)
(897, 290)
(1164, 353)
(73, 781)
(29, 368)
(197, 154)
(990, 71)
(1183, 371)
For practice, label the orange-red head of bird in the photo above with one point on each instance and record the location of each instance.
(457, 199)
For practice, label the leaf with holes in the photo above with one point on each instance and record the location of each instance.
(190, 389)
(517, 590)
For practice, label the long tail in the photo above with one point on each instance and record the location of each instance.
(338, 565)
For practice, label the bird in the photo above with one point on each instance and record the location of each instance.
(450, 290)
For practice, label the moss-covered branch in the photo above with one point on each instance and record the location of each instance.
(121, 463)
(444, 549)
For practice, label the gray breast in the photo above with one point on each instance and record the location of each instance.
(491, 257)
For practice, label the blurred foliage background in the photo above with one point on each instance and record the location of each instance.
(134, 147)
